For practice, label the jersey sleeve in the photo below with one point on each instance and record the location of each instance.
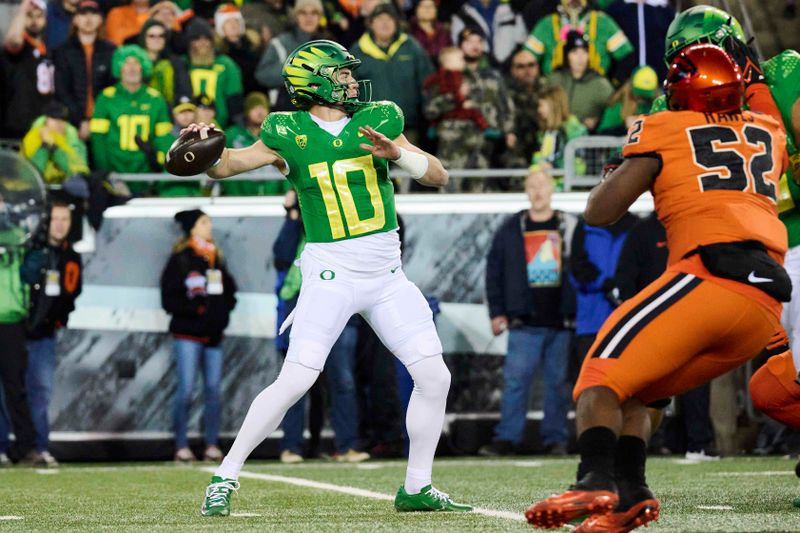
(646, 135)
(387, 118)
(273, 131)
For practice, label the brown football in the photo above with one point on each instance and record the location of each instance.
(194, 152)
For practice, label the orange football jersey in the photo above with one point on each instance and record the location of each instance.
(719, 177)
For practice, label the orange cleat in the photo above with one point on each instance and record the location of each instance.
(640, 514)
(573, 504)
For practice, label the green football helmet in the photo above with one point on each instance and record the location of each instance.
(700, 24)
(310, 74)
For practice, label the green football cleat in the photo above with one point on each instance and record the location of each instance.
(218, 497)
(428, 499)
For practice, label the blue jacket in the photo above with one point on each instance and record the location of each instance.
(593, 263)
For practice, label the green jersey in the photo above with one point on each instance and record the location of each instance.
(783, 78)
(219, 81)
(119, 118)
(343, 190)
(606, 40)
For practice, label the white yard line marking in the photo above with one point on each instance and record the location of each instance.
(763, 473)
(244, 515)
(716, 507)
(529, 464)
(353, 491)
(370, 466)
(10, 517)
(46, 472)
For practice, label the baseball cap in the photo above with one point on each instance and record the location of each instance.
(644, 82)
(384, 9)
(184, 103)
(88, 6)
(468, 31)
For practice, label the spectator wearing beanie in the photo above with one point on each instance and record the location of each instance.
(27, 71)
(213, 75)
(170, 15)
(587, 91)
(395, 63)
(83, 66)
(169, 77)
(307, 15)
(524, 85)
(126, 21)
(131, 124)
(198, 292)
(235, 43)
(634, 98)
(256, 109)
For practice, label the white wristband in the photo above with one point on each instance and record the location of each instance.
(413, 163)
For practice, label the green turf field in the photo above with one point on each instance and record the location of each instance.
(731, 495)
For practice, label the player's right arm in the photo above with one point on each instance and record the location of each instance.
(237, 160)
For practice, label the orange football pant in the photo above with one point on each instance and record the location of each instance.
(679, 332)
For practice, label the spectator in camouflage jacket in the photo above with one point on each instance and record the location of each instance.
(524, 84)
(488, 92)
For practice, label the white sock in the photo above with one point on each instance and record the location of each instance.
(424, 419)
(265, 413)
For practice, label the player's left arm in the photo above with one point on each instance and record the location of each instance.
(422, 166)
(611, 199)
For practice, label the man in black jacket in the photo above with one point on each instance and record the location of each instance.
(527, 291)
(83, 66)
(54, 275)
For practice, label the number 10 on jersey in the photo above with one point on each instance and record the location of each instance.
(338, 188)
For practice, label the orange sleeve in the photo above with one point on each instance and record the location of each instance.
(645, 135)
(760, 100)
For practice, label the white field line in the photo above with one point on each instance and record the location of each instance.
(10, 517)
(353, 491)
(762, 473)
(715, 507)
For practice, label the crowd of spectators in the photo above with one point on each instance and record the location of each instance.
(100, 86)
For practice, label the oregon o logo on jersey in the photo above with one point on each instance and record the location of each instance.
(337, 143)
(327, 275)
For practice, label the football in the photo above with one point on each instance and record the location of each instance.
(195, 151)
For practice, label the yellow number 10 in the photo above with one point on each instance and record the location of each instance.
(355, 225)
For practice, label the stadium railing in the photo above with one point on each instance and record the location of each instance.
(584, 158)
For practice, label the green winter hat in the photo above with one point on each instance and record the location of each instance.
(122, 53)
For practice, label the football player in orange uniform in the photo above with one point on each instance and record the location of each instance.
(713, 170)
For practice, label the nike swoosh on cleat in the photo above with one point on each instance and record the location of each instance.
(752, 278)
(393, 270)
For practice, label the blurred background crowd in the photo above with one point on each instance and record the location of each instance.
(91, 87)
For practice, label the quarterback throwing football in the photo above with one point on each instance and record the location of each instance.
(335, 151)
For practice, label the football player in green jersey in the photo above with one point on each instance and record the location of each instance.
(335, 151)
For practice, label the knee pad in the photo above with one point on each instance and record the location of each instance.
(431, 375)
(308, 353)
(420, 346)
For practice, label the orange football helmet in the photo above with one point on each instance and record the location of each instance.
(703, 77)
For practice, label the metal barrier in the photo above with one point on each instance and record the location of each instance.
(584, 158)
(271, 174)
